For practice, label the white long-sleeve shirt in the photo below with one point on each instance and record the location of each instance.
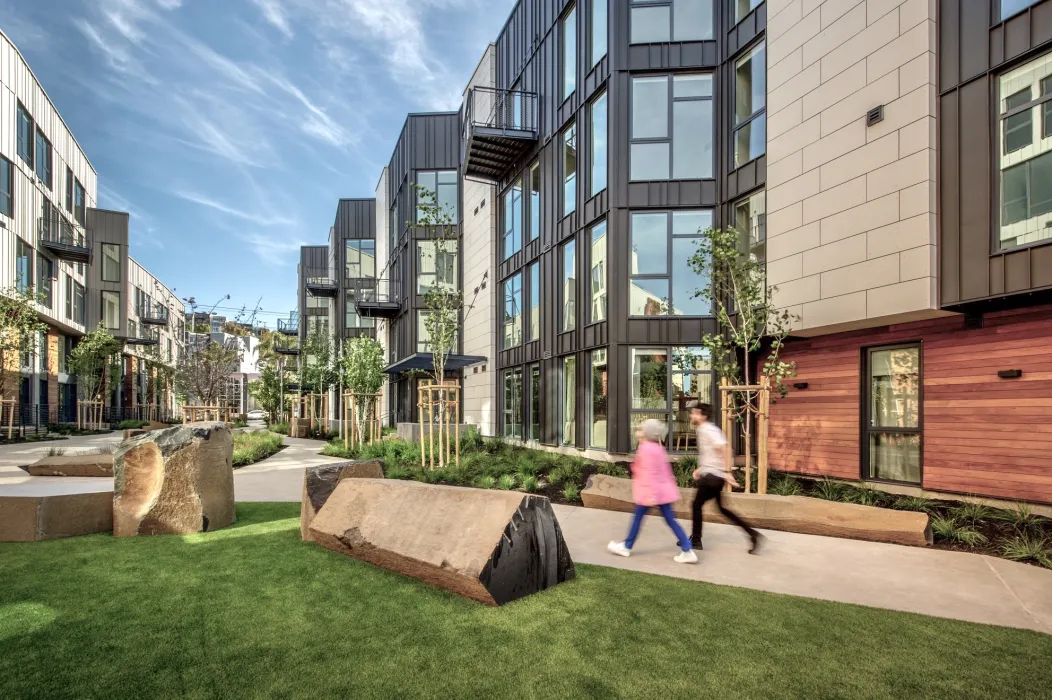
(710, 455)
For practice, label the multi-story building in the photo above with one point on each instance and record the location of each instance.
(74, 256)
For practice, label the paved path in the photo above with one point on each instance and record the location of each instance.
(933, 582)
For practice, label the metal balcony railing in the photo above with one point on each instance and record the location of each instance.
(289, 326)
(376, 298)
(64, 240)
(144, 336)
(155, 315)
(287, 345)
(320, 281)
(513, 113)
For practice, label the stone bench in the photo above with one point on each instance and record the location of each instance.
(320, 482)
(33, 518)
(73, 465)
(809, 516)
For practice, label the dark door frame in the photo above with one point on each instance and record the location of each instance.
(864, 412)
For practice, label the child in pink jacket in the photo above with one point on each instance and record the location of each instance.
(653, 485)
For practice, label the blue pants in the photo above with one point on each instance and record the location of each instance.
(666, 512)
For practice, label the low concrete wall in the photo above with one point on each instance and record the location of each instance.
(73, 465)
(411, 431)
(33, 518)
(810, 516)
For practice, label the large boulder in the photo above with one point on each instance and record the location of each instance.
(174, 481)
(810, 516)
(73, 465)
(320, 482)
(491, 546)
(32, 518)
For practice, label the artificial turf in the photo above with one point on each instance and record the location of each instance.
(253, 612)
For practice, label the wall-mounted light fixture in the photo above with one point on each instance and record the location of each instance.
(1010, 373)
(800, 385)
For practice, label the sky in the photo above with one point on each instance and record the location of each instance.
(229, 129)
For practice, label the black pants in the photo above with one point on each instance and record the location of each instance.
(710, 487)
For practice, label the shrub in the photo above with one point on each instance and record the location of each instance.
(1026, 548)
(471, 440)
(556, 476)
(494, 445)
(865, 496)
(571, 493)
(485, 482)
(923, 505)
(396, 471)
(529, 482)
(278, 427)
(948, 529)
(830, 490)
(506, 482)
(254, 446)
(1021, 517)
(55, 451)
(613, 469)
(785, 485)
(972, 513)
(131, 424)
(240, 423)
(336, 449)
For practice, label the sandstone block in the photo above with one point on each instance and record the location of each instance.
(320, 482)
(32, 518)
(73, 465)
(174, 481)
(810, 516)
(490, 546)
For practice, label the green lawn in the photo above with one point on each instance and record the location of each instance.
(252, 612)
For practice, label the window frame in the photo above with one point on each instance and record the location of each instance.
(670, 240)
(592, 444)
(593, 110)
(69, 190)
(79, 209)
(866, 413)
(102, 272)
(7, 169)
(24, 251)
(45, 274)
(604, 292)
(103, 296)
(568, 46)
(753, 4)
(450, 287)
(533, 410)
(511, 234)
(511, 292)
(351, 310)
(593, 45)
(564, 360)
(669, 138)
(438, 187)
(512, 403)
(28, 141)
(567, 137)
(567, 307)
(44, 162)
(355, 245)
(533, 271)
(666, 414)
(672, 23)
(1001, 13)
(535, 200)
(756, 115)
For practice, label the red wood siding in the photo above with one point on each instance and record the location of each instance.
(982, 435)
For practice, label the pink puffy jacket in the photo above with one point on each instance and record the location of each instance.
(653, 483)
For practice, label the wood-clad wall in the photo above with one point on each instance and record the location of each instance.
(982, 435)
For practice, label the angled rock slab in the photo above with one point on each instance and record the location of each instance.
(174, 481)
(320, 482)
(809, 516)
(490, 546)
(73, 465)
(33, 518)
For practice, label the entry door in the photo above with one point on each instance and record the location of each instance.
(892, 416)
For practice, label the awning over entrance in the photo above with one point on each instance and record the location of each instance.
(425, 361)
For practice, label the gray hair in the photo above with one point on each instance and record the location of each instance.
(653, 429)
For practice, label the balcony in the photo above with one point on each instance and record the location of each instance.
(499, 127)
(64, 240)
(289, 326)
(376, 299)
(287, 345)
(143, 336)
(321, 282)
(154, 315)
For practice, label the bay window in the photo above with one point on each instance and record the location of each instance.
(671, 127)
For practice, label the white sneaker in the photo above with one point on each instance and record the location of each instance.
(688, 557)
(619, 549)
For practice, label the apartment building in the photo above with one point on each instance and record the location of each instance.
(73, 255)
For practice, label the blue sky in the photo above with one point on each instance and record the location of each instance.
(229, 128)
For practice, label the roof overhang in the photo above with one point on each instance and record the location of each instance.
(425, 361)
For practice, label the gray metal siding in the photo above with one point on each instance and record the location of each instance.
(106, 227)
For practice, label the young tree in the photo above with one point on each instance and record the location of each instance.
(202, 371)
(751, 325)
(319, 370)
(363, 373)
(267, 390)
(96, 363)
(443, 298)
(20, 325)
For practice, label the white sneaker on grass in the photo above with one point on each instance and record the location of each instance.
(619, 549)
(688, 557)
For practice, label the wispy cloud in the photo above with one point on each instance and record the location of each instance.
(274, 13)
(273, 250)
(260, 219)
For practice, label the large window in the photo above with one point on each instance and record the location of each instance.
(671, 127)
(744, 7)
(361, 259)
(79, 205)
(23, 265)
(25, 135)
(671, 20)
(111, 310)
(442, 184)
(598, 154)
(1026, 154)
(597, 274)
(352, 317)
(111, 262)
(569, 52)
(436, 265)
(750, 102)
(535, 301)
(893, 408)
(568, 269)
(569, 141)
(43, 159)
(535, 200)
(662, 282)
(513, 403)
(513, 219)
(79, 304)
(69, 190)
(599, 30)
(45, 271)
(513, 311)
(1013, 7)
(568, 403)
(599, 395)
(7, 187)
(750, 218)
(423, 335)
(666, 383)
(533, 407)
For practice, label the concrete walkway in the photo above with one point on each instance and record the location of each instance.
(947, 584)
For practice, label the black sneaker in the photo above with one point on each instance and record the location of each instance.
(695, 544)
(757, 540)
